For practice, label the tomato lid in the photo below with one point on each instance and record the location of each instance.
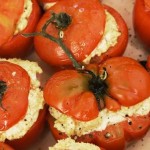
(14, 90)
(81, 36)
(9, 15)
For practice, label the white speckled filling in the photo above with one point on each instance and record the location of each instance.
(106, 117)
(70, 144)
(36, 102)
(109, 39)
(23, 21)
(48, 5)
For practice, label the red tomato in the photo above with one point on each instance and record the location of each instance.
(31, 136)
(112, 138)
(4, 146)
(125, 82)
(16, 85)
(81, 36)
(74, 39)
(136, 127)
(129, 82)
(16, 45)
(120, 47)
(142, 12)
(75, 87)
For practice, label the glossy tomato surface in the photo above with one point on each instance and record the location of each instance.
(16, 45)
(119, 48)
(81, 36)
(17, 84)
(141, 20)
(124, 77)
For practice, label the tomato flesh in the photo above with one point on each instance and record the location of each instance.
(15, 99)
(9, 15)
(81, 36)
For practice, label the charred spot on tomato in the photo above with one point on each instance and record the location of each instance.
(61, 20)
(3, 87)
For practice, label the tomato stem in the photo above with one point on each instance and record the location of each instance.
(3, 88)
(61, 21)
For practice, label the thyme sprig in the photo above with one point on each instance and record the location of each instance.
(61, 22)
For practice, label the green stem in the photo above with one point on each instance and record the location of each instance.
(56, 40)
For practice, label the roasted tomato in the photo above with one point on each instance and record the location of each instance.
(14, 21)
(4, 146)
(97, 103)
(22, 112)
(141, 20)
(86, 38)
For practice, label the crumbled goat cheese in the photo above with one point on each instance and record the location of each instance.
(70, 144)
(106, 117)
(23, 21)
(35, 100)
(48, 5)
(109, 39)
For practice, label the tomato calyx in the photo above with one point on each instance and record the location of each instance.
(61, 20)
(97, 86)
(3, 88)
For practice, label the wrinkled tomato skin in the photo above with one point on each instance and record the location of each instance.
(32, 135)
(19, 46)
(120, 47)
(78, 37)
(141, 21)
(136, 127)
(128, 81)
(4, 146)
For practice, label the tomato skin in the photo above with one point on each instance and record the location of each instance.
(116, 141)
(120, 47)
(142, 12)
(75, 88)
(4, 146)
(19, 46)
(17, 85)
(34, 132)
(126, 80)
(136, 127)
(74, 39)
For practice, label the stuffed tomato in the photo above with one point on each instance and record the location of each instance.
(17, 17)
(107, 105)
(89, 29)
(141, 20)
(22, 111)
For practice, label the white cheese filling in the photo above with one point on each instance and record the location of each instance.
(35, 101)
(70, 144)
(46, 6)
(109, 39)
(23, 21)
(70, 126)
